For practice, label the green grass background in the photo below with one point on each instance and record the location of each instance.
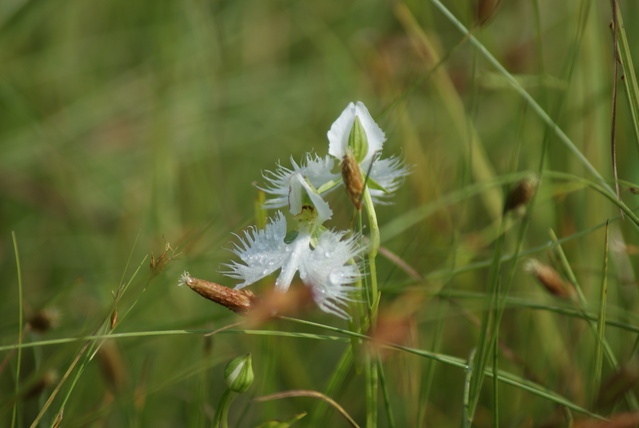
(125, 125)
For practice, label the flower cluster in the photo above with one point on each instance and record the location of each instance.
(323, 258)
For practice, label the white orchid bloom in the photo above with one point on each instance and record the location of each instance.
(295, 187)
(356, 133)
(326, 268)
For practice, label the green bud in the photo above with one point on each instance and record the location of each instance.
(358, 141)
(239, 373)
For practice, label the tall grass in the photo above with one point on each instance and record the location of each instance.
(132, 134)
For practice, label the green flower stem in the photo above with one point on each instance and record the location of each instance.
(374, 242)
(222, 413)
(372, 358)
(370, 370)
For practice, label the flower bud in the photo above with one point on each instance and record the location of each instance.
(358, 141)
(239, 373)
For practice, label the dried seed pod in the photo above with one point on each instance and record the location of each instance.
(239, 301)
(522, 193)
(114, 318)
(44, 320)
(550, 279)
(352, 176)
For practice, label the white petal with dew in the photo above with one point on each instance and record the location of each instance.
(328, 270)
(262, 251)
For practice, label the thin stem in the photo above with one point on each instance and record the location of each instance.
(222, 413)
(20, 321)
(374, 242)
(372, 358)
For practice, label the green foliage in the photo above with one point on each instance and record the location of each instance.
(131, 133)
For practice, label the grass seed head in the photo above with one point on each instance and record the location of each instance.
(157, 265)
(550, 279)
(521, 194)
(44, 320)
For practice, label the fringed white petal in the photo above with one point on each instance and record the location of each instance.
(389, 174)
(329, 270)
(262, 251)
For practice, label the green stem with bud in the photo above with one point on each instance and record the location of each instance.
(221, 419)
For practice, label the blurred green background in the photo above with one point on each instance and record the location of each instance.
(125, 125)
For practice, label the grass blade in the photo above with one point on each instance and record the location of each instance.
(629, 76)
(543, 115)
(14, 414)
(601, 321)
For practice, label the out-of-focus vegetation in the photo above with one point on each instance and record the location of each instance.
(127, 125)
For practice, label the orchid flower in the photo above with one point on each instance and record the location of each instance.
(298, 187)
(356, 135)
(325, 267)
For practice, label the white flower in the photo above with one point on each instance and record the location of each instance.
(327, 268)
(292, 187)
(386, 175)
(341, 129)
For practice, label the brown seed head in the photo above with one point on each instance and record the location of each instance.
(522, 193)
(114, 318)
(239, 301)
(550, 279)
(44, 320)
(157, 265)
(352, 176)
